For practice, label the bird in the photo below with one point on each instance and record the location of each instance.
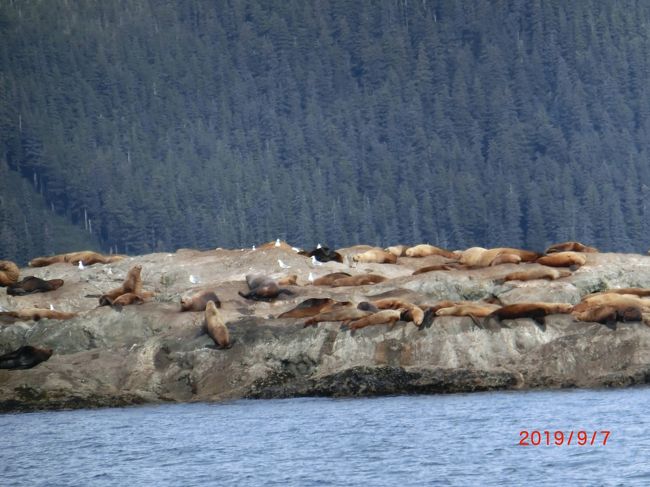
(315, 262)
(194, 279)
(109, 271)
(51, 306)
(277, 242)
(318, 246)
(81, 266)
(254, 247)
(311, 278)
(283, 265)
(295, 249)
(3, 309)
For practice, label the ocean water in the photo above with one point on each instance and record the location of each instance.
(457, 439)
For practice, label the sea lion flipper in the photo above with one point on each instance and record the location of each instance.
(427, 321)
(476, 321)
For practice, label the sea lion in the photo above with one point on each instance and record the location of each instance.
(25, 357)
(612, 299)
(376, 255)
(323, 254)
(535, 310)
(215, 326)
(340, 314)
(262, 288)
(35, 314)
(481, 257)
(424, 250)
(31, 285)
(308, 307)
(199, 301)
(410, 311)
(478, 310)
(9, 273)
(126, 299)
(328, 279)
(87, 257)
(358, 280)
(549, 273)
(397, 250)
(437, 267)
(291, 280)
(387, 316)
(572, 260)
(610, 314)
(570, 246)
(636, 291)
(132, 284)
(367, 306)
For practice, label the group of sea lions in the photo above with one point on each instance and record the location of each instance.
(557, 262)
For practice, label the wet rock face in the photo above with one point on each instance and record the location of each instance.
(154, 353)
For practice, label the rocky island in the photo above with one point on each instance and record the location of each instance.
(152, 352)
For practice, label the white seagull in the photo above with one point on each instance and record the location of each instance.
(315, 262)
(318, 246)
(254, 247)
(109, 271)
(194, 279)
(283, 265)
(51, 306)
(311, 278)
(295, 249)
(277, 242)
(81, 266)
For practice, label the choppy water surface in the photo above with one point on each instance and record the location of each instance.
(460, 439)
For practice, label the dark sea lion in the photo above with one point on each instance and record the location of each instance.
(536, 311)
(437, 267)
(323, 254)
(263, 288)
(25, 357)
(199, 301)
(367, 306)
(410, 311)
(31, 285)
(216, 328)
(570, 246)
(339, 314)
(309, 307)
(9, 273)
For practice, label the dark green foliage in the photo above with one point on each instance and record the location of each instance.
(144, 126)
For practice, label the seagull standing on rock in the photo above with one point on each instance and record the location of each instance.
(81, 266)
(194, 279)
(283, 265)
(315, 262)
(311, 278)
(277, 242)
(51, 306)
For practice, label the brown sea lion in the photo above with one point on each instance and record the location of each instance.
(9, 273)
(35, 314)
(612, 299)
(25, 357)
(376, 255)
(424, 250)
(387, 316)
(328, 279)
(308, 307)
(127, 299)
(563, 259)
(132, 284)
(45, 261)
(288, 280)
(535, 310)
(480, 257)
(411, 311)
(358, 280)
(31, 285)
(549, 273)
(87, 257)
(397, 250)
(262, 288)
(636, 291)
(215, 326)
(570, 246)
(339, 314)
(437, 267)
(609, 314)
(199, 301)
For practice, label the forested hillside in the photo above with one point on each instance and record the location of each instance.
(141, 126)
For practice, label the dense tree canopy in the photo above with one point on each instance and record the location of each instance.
(141, 126)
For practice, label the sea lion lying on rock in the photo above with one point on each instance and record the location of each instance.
(328, 279)
(35, 314)
(573, 260)
(358, 280)
(309, 307)
(376, 255)
(25, 357)
(262, 288)
(570, 246)
(199, 301)
(386, 316)
(87, 257)
(9, 273)
(31, 285)
(424, 250)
